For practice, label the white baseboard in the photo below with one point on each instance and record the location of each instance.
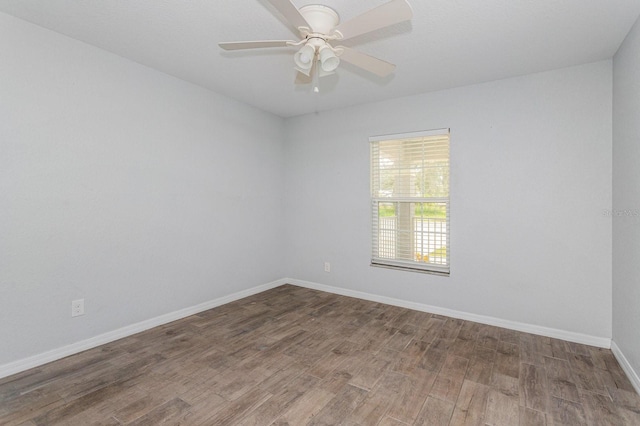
(601, 342)
(55, 354)
(626, 366)
(74, 348)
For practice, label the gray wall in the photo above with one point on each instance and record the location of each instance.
(626, 197)
(129, 188)
(530, 178)
(144, 194)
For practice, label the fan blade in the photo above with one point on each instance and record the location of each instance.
(394, 12)
(290, 12)
(239, 45)
(366, 62)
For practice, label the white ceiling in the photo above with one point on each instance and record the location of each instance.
(448, 43)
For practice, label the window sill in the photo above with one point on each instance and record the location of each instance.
(410, 269)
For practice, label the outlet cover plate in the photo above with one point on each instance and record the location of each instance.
(77, 307)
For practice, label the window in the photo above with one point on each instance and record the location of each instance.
(410, 201)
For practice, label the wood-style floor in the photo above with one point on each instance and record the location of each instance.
(294, 356)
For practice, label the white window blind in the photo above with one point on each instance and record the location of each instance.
(410, 201)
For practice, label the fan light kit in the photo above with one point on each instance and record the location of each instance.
(319, 26)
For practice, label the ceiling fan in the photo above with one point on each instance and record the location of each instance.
(319, 26)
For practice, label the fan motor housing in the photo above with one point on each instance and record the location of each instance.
(322, 19)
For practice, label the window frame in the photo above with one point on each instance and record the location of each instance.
(404, 264)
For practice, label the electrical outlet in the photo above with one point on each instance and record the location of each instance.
(327, 267)
(77, 307)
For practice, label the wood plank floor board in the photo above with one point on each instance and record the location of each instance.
(567, 413)
(432, 360)
(378, 401)
(510, 386)
(463, 347)
(532, 351)
(400, 317)
(62, 413)
(413, 391)
(402, 337)
(233, 411)
(559, 348)
(165, 413)
(629, 417)
(585, 373)
(375, 338)
(390, 421)
(601, 409)
(418, 319)
(441, 343)
(332, 359)
(454, 366)
(529, 417)
(435, 412)
(25, 410)
(296, 356)
(409, 358)
(578, 349)
(533, 387)
(451, 328)
(627, 400)
(446, 388)
(372, 369)
(563, 389)
(305, 408)
(509, 336)
(502, 410)
(486, 354)
(283, 377)
(612, 375)
(471, 404)
(479, 371)
(47, 377)
(340, 407)
(507, 364)
(281, 400)
(137, 407)
(430, 329)
(488, 336)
